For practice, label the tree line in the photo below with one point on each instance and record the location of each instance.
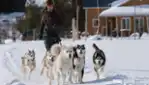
(33, 13)
(8, 6)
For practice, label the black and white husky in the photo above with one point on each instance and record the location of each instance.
(99, 60)
(78, 64)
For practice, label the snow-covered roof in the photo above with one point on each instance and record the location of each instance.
(142, 10)
(16, 14)
(11, 17)
(118, 3)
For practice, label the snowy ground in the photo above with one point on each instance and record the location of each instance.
(127, 61)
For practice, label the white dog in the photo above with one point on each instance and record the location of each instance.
(78, 64)
(28, 62)
(49, 58)
(62, 66)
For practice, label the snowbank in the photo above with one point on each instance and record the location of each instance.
(7, 41)
(124, 57)
(95, 37)
(145, 36)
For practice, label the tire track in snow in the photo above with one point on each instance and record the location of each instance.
(12, 67)
(15, 82)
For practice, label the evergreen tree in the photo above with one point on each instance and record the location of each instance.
(65, 8)
(32, 18)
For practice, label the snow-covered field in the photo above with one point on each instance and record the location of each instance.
(127, 61)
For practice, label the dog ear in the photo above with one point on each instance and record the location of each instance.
(33, 51)
(78, 46)
(83, 46)
(29, 51)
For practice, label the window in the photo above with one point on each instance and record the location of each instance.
(95, 23)
(125, 23)
(139, 23)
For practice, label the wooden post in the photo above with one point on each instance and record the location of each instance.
(77, 19)
(73, 29)
(97, 28)
(111, 26)
(34, 34)
(147, 24)
(117, 27)
(135, 25)
(106, 26)
(86, 29)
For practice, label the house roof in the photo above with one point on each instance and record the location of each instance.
(96, 3)
(118, 3)
(141, 10)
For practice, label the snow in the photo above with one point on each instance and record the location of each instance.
(95, 37)
(126, 59)
(142, 10)
(11, 17)
(134, 35)
(145, 36)
(118, 3)
(8, 41)
(16, 14)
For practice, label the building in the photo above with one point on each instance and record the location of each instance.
(92, 9)
(124, 16)
(129, 17)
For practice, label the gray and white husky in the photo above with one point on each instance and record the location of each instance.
(28, 62)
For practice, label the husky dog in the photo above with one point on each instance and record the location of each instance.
(47, 63)
(28, 62)
(62, 66)
(99, 60)
(81, 50)
(78, 63)
(49, 58)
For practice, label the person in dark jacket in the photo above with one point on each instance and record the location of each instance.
(52, 36)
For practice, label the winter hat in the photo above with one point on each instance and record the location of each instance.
(49, 3)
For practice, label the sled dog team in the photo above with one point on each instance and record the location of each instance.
(64, 63)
